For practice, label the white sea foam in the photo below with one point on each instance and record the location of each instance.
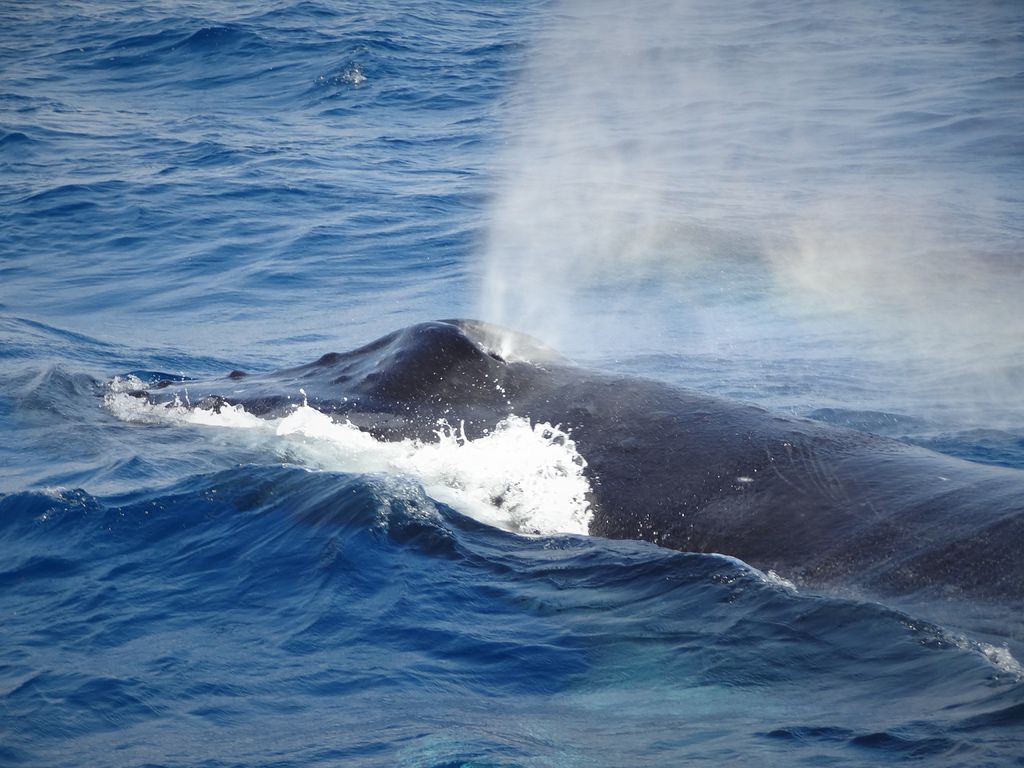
(771, 577)
(1001, 658)
(522, 477)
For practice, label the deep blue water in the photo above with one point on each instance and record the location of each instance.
(811, 208)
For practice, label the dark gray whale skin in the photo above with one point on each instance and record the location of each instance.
(822, 506)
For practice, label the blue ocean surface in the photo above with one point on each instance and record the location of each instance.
(810, 206)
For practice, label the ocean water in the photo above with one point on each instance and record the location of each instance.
(810, 206)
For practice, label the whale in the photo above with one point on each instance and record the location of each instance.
(820, 505)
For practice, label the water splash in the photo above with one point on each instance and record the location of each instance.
(671, 183)
(522, 477)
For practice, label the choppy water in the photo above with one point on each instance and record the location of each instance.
(193, 188)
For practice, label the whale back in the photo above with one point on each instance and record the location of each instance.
(823, 505)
